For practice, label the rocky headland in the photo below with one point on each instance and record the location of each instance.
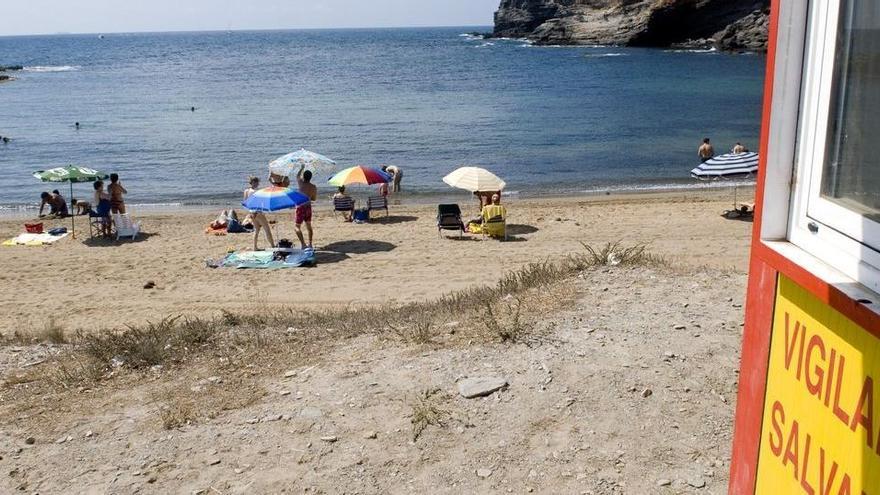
(725, 24)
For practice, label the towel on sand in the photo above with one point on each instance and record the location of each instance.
(34, 239)
(265, 260)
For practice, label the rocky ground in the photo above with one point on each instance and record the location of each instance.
(630, 388)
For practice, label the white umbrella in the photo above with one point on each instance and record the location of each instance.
(291, 162)
(474, 179)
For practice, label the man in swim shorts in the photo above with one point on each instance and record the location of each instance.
(304, 212)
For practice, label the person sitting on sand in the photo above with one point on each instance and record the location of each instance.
(340, 194)
(738, 148)
(117, 203)
(57, 205)
(258, 218)
(304, 212)
(706, 151)
(102, 204)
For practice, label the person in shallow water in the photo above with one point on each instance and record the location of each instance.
(706, 151)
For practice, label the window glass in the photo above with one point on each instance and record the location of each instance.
(851, 174)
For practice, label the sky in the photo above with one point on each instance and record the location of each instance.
(112, 16)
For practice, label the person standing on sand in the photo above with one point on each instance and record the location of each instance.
(396, 177)
(304, 212)
(258, 218)
(117, 203)
(706, 151)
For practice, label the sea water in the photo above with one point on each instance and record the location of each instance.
(547, 119)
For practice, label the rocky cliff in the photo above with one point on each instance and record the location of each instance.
(727, 24)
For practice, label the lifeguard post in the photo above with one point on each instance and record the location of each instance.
(808, 413)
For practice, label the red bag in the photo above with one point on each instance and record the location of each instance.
(33, 228)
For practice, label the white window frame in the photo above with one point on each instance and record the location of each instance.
(842, 238)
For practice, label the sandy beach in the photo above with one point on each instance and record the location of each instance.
(93, 285)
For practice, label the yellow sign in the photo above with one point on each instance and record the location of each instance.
(821, 429)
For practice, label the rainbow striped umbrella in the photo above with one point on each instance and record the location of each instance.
(360, 175)
(275, 198)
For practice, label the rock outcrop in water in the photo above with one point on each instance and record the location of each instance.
(727, 24)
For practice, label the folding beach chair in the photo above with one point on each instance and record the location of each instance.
(495, 221)
(344, 205)
(377, 203)
(99, 219)
(449, 218)
(125, 227)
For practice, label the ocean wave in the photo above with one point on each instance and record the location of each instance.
(602, 55)
(696, 185)
(692, 50)
(52, 68)
(484, 45)
(471, 36)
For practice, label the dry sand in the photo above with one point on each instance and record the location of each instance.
(90, 286)
(625, 386)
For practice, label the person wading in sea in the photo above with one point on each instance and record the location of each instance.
(706, 151)
(304, 212)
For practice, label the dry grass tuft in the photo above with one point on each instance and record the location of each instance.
(427, 411)
(418, 329)
(177, 414)
(612, 254)
(503, 319)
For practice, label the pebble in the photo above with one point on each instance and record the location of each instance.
(664, 482)
(679, 327)
(371, 435)
(30, 440)
(311, 413)
(284, 393)
(647, 393)
(470, 388)
(669, 354)
(484, 473)
(64, 439)
(290, 374)
(214, 461)
(697, 483)
(330, 439)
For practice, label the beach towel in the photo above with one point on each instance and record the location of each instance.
(266, 260)
(34, 239)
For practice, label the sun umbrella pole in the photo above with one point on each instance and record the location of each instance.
(72, 215)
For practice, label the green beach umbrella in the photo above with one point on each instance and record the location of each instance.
(70, 174)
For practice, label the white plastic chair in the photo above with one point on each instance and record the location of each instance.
(125, 227)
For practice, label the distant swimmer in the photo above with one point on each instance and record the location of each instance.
(192, 109)
(5, 139)
(76, 125)
(706, 151)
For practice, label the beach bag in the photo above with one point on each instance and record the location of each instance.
(361, 216)
(33, 228)
(58, 231)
